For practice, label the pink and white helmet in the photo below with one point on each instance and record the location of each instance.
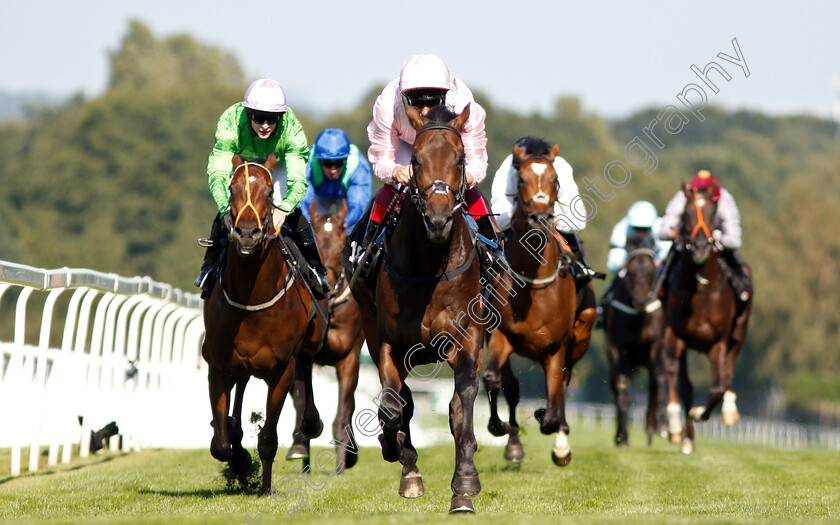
(424, 72)
(265, 95)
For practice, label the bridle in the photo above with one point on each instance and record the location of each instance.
(418, 196)
(262, 222)
(652, 303)
(540, 197)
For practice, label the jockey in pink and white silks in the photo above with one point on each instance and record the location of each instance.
(425, 82)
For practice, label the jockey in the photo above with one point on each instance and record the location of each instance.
(337, 170)
(641, 219)
(425, 82)
(504, 190)
(256, 127)
(727, 231)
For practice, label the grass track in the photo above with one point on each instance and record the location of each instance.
(721, 483)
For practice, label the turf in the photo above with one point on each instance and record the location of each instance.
(720, 483)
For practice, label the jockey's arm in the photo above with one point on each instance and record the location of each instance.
(383, 137)
(672, 217)
(295, 153)
(503, 192)
(730, 221)
(474, 138)
(358, 193)
(219, 163)
(567, 220)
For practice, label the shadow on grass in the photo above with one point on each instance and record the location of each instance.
(52, 471)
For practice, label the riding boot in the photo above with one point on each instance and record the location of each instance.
(214, 245)
(317, 280)
(494, 261)
(582, 272)
(740, 280)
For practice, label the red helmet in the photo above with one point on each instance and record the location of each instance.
(705, 180)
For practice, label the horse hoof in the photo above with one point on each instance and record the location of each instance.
(297, 451)
(676, 439)
(697, 413)
(309, 433)
(497, 427)
(687, 446)
(351, 459)
(461, 505)
(411, 486)
(466, 485)
(730, 418)
(240, 462)
(622, 443)
(539, 414)
(561, 462)
(514, 452)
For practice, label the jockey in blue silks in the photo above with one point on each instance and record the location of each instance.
(335, 171)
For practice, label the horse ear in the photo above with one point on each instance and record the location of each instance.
(519, 155)
(686, 189)
(342, 212)
(415, 117)
(459, 121)
(313, 210)
(555, 150)
(236, 160)
(271, 162)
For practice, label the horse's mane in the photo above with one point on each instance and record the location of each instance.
(440, 115)
(534, 146)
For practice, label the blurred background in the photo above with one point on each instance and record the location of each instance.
(107, 116)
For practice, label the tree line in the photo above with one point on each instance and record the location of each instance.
(117, 184)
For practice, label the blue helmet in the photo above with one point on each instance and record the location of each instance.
(332, 143)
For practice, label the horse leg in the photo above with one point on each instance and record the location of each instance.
(390, 404)
(347, 374)
(465, 482)
(672, 353)
(300, 445)
(729, 411)
(499, 349)
(661, 378)
(552, 418)
(687, 395)
(620, 383)
(510, 386)
(411, 482)
(240, 462)
(717, 361)
(311, 425)
(278, 389)
(220, 384)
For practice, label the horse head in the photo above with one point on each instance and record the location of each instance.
(698, 222)
(538, 185)
(250, 204)
(438, 161)
(329, 230)
(640, 266)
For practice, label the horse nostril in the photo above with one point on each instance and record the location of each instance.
(238, 230)
(255, 232)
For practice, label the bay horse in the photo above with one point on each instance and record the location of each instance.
(342, 345)
(426, 297)
(634, 323)
(259, 321)
(544, 317)
(701, 313)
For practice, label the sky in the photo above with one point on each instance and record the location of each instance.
(615, 56)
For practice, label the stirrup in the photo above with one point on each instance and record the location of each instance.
(206, 242)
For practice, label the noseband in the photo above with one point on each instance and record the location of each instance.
(437, 186)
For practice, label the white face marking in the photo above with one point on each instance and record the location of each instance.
(701, 201)
(252, 178)
(539, 169)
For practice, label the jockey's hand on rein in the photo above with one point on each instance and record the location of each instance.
(401, 174)
(278, 217)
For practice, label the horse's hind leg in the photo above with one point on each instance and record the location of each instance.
(241, 460)
(220, 384)
(717, 361)
(278, 389)
(347, 372)
(465, 481)
(671, 356)
(391, 377)
(620, 384)
(499, 349)
(687, 395)
(510, 386)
